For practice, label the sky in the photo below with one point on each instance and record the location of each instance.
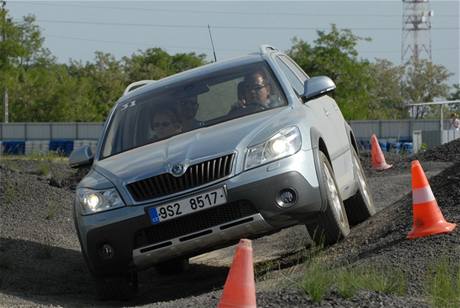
(75, 30)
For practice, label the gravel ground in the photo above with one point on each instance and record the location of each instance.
(41, 264)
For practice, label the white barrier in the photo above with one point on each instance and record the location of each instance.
(37, 147)
(449, 135)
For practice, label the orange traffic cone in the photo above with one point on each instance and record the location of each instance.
(378, 160)
(428, 219)
(239, 289)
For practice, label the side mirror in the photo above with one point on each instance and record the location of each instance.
(81, 157)
(316, 87)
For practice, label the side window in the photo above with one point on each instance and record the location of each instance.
(295, 82)
(295, 67)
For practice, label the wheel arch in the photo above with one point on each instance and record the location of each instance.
(351, 136)
(318, 145)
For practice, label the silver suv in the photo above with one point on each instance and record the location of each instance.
(196, 161)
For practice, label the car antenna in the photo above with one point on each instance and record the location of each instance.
(212, 43)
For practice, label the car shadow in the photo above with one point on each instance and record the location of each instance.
(50, 275)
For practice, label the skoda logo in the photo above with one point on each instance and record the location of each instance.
(177, 169)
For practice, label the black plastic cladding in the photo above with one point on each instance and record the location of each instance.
(193, 223)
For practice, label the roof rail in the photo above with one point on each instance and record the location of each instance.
(136, 84)
(264, 49)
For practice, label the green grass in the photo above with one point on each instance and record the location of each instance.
(319, 280)
(10, 164)
(442, 284)
(51, 210)
(50, 156)
(43, 168)
(385, 280)
(347, 283)
(9, 194)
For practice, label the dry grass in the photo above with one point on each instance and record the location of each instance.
(443, 284)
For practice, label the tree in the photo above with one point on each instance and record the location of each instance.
(155, 63)
(369, 90)
(334, 54)
(185, 61)
(20, 51)
(107, 80)
(10, 45)
(455, 94)
(42, 90)
(424, 81)
(386, 100)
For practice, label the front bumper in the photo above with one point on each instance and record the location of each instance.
(200, 242)
(251, 211)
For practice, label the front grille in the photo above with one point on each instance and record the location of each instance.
(193, 223)
(195, 175)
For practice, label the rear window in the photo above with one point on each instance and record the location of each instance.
(192, 104)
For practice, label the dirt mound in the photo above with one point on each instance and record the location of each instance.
(446, 152)
(382, 239)
(449, 152)
(55, 172)
(381, 243)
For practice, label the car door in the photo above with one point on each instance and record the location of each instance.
(331, 123)
(318, 106)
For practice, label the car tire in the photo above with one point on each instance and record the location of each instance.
(173, 267)
(117, 288)
(331, 225)
(360, 206)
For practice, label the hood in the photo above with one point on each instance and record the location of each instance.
(194, 146)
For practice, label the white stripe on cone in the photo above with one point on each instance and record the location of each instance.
(422, 195)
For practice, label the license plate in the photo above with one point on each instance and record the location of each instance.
(187, 205)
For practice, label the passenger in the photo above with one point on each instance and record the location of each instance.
(165, 124)
(188, 107)
(454, 121)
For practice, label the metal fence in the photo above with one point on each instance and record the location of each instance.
(50, 131)
(27, 138)
(398, 129)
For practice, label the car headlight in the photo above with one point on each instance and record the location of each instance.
(284, 143)
(93, 201)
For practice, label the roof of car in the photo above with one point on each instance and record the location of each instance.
(196, 72)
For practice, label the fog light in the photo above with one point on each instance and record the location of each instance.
(287, 197)
(106, 252)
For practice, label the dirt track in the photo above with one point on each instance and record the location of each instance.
(40, 261)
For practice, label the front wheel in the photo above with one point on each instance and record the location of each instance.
(361, 206)
(332, 225)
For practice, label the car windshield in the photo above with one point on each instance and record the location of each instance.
(192, 104)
